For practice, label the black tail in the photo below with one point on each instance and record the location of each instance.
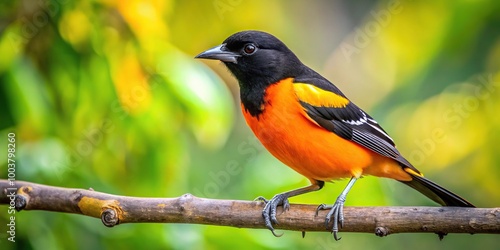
(436, 192)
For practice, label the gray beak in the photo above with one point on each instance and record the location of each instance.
(219, 53)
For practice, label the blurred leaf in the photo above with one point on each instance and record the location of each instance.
(208, 101)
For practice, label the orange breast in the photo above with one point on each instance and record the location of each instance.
(286, 131)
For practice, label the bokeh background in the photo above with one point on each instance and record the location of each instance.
(106, 94)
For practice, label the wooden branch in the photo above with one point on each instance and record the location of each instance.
(114, 210)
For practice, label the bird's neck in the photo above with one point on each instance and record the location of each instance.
(252, 96)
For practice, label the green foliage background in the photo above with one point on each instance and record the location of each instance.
(106, 94)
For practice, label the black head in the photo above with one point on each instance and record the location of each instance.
(252, 55)
(257, 59)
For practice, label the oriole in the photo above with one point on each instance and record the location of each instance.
(311, 126)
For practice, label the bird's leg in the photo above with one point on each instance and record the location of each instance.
(337, 210)
(269, 211)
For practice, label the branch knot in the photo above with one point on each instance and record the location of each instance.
(381, 231)
(109, 217)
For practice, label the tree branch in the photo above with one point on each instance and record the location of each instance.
(114, 210)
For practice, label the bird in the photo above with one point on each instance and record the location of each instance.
(307, 123)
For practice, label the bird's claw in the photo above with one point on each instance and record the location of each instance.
(269, 211)
(322, 207)
(336, 215)
(261, 198)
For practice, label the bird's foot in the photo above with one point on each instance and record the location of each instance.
(269, 211)
(336, 215)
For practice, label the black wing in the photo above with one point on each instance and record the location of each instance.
(349, 121)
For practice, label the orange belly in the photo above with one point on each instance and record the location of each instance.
(287, 133)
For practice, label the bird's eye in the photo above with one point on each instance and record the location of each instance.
(249, 49)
